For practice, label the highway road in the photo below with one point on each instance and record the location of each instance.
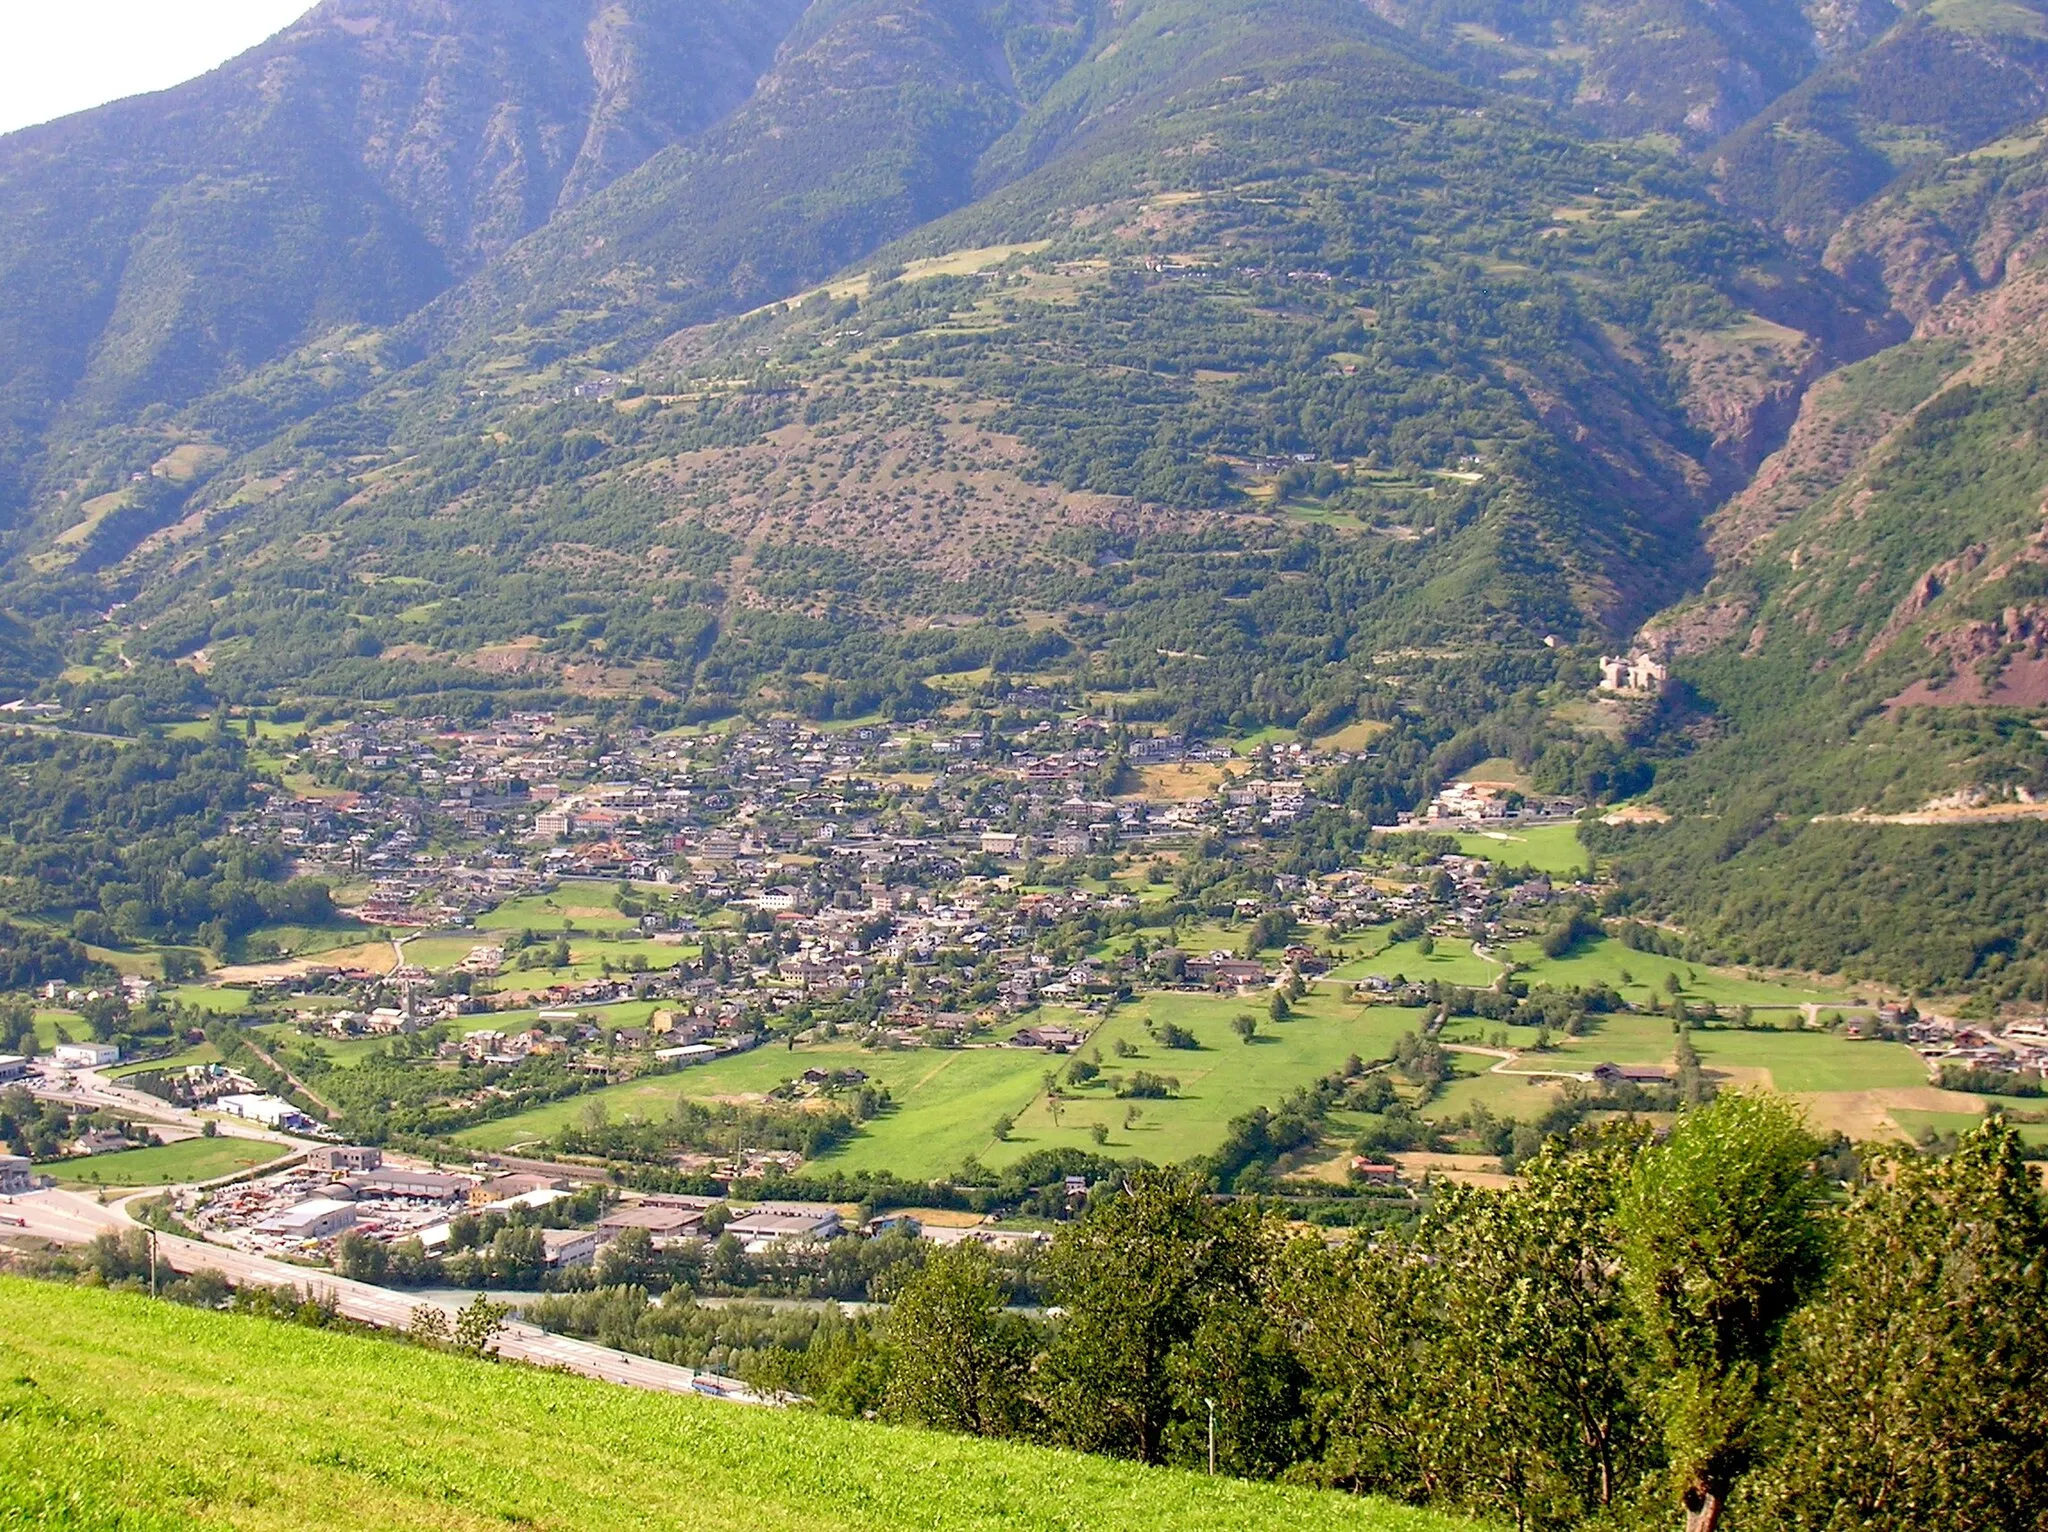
(72, 1219)
(89, 1088)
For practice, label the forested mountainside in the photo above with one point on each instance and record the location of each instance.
(343, 173)
(1237, 363)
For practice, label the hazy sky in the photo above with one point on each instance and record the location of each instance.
(61, 56)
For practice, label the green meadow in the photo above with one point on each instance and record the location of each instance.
(119, 1412)
(585, 906)
(1554, 849)
(944, 1101)
(191, 1159)
(1222, 1079)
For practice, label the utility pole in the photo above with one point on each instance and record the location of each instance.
(1212, 1436)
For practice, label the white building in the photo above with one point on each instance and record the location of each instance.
(85, 1055)
(1639, 674)
(268, 1110)
(569, 1247)
(774, 1222)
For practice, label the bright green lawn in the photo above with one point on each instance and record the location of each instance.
(202, 1053)
(1604, 960)
(1915, 1123)
(1453, 962)
(192, 1159)
(1224, 1079)
(1813, 1061)
(946, 1100)
(1800, 1062)
(56, 1026)
(1272, 734)
(1543, 848)
(119, 1412)
(221, 1002)
(588, 905)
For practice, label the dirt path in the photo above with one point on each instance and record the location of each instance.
(297, 1084)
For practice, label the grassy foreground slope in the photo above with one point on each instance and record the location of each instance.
(119, 1412)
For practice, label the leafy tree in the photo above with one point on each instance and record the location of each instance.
(1137, 1277)
(1245, 1025)
(1915, 1390)
(1548, 1418)
(1240, 1358)
(1719, 1246)
(959, 1361)
(477, 1326)
(359, 1257)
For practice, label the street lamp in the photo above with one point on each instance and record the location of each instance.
(1212, 1436)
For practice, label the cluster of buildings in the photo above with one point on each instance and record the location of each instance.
(434, 823)
(299, 1212)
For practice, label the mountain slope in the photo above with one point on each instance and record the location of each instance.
(1646, 66)
(1872, 651)
(341, 174)
(1950, 76)
(1290, 353)
(868, 124)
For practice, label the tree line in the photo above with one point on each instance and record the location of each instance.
(1702, 1327)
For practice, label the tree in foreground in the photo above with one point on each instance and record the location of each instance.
(1915, 1390)
(1487, 1362)
(958, 1361)
(1137, 1279)
(1720, 1245)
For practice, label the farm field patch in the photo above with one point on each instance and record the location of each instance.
(191, 1159)
(1221, 1080)
(1553, 849)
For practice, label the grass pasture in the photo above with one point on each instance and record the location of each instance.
(119, 1412)
(1223, 1079)
(588, 906)
(1553, 849)
(946, 1101)
(1451, 962)
(1640, 976)
(191, 1159)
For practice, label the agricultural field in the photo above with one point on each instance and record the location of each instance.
(1452, 961)
(1859, 1087)
(1914, 1123)
(585, 906)
(191, 1159)
(56, 1026)
(1640, 976)
(1553, 849)
(220, 1002)
(312, 1431)
(1221, 1080)
(944, 1101)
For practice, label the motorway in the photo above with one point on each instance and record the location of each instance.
(90, 1088)
(71, 1219)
